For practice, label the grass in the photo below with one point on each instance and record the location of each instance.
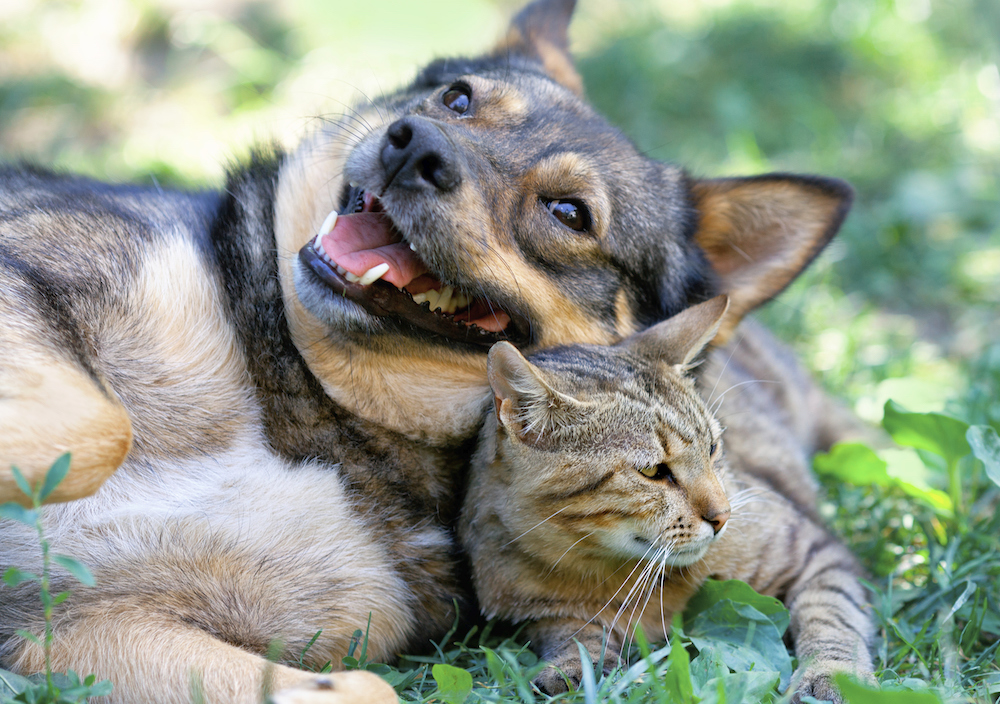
(899, 97)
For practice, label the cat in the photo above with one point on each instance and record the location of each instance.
(601, 496)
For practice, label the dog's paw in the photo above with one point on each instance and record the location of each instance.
(817, 681)
(355, 687)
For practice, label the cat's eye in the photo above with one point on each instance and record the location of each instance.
(458, 98)
(571, 213)
(659, 472)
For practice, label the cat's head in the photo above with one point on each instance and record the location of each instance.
(608, 453)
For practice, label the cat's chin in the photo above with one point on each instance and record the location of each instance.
(686, 558)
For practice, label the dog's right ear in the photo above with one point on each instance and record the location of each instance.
(541, 32)
(759, 233)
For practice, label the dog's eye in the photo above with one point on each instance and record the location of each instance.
(659, 472)
(457, 99)
(713, 448)
(571, 213)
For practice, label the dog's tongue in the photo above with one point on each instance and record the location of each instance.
(362, 241)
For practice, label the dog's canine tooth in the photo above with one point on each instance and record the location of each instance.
(445, 299)
(352, 184)
(328, 224)
(373, 274)
(413, 247)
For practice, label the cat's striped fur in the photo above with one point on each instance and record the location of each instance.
(601, 497)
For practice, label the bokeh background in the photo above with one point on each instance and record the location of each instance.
(900, 97)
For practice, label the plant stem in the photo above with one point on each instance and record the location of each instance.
(955, 491)
(46, 598)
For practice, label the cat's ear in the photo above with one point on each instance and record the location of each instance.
(759, 233)
(525, 403)
(680, 339)
(540, 32)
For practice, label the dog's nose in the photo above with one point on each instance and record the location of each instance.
(418, 154)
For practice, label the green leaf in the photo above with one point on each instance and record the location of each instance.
(985, 445)
(16, 512)
(22, 483)
(588, 682)
(745, 638)
(714, 591)
(751, 686)
(934, 432)
(857, 464)
(57, 472)
(454, 684)
(13, 577)
(677, 678)
(856, 693)
(75, 568)
(11, 684)
(29, 637)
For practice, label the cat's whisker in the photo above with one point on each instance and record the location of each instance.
(554, 564)
(725, 367)
(540, 523)
(714, 407)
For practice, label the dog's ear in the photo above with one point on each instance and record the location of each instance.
(540, 32)
(759, 233)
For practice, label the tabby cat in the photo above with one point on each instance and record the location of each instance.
(601, 497)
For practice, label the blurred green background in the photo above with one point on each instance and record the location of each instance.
(900, 97)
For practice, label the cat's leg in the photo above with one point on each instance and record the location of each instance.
(158, 659)
(830, 621)
(555, 639)
(51, 404)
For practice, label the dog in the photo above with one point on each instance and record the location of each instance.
(270, 392)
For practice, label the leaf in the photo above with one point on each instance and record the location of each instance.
(677, 678)
(29, 637)
(986, 447)
(934, 432)
(57, 472)
(11, 684)
(856, 693)
(13, 577)
(751, 686)
(22, 483)
(75, 568)
(857, 464)
(16, 512)
(745, 638)
(854, 463)
(454, 683)
(588, 682)
(714, 591)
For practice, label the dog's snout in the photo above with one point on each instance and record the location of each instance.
(418, 154)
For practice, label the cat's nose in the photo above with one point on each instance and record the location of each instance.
(717, 517)
(417, 154)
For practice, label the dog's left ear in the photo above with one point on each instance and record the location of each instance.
(760, 232)
(540, 32)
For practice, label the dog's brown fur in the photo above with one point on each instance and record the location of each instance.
(296, 458)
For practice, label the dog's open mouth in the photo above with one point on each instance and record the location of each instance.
(362, 256)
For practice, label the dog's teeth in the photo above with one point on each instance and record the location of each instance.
(328, 224)
(353, 278)
(352, 184)
(373, 274)
(419, 298)
(461, 300)
(444, 302)
(342, 271)
(432, 298)
(413, 247)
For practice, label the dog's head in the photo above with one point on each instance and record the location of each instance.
(488, 201)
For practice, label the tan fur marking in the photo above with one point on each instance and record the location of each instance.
(48, 407)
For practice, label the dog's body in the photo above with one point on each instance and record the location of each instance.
(284, 444)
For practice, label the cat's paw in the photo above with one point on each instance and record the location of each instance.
(567, 673)
(817, 680)
(354, 687)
